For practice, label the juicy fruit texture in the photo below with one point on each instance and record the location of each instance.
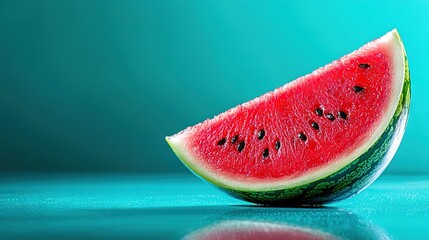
(320, 138)
(286, 117)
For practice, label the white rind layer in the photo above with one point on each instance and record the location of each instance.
(178, 141)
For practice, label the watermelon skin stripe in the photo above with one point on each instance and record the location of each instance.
(353, 178)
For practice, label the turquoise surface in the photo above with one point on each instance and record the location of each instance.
(172, 207)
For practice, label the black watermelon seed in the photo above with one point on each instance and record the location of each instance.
(358, 88)
(330, 116)
(302, 136)
(261, 134)
(342, 114)
(240, 146)
(221, 142)
(364, 65)
(277, 146)
(315, 125)
(319, 111)
(234, 139)
(265, 153)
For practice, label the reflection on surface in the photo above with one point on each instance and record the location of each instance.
(287, 223)
(256, 230)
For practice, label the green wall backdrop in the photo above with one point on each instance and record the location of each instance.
(96, 85)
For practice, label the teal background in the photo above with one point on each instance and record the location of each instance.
(96, 85)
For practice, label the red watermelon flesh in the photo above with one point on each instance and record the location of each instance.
(304, 130)
(289, 111)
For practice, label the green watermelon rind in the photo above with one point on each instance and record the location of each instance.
(344, 183)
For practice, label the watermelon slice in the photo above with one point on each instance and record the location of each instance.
(321, 138)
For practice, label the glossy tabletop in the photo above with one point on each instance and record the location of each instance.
(176, 207)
